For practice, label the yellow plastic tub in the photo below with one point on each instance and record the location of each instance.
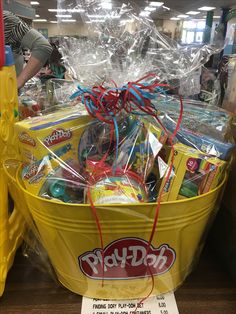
(70, 236)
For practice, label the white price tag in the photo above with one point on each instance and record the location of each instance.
(164, 304)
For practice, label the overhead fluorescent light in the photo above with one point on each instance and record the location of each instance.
(95, 21)
(63, 15)
(40, 20)
(54, 22)
(214, 17)
(75, 10)
(57, 10)
(100, 16)
(166, 8)
(156, 4)
(183, 16)
(206, 8)
(193, 12)
(144, 13)
(150, 9)
(34, 2)
(36, 15)
(106, 5)
(68, 21)
(174, 18)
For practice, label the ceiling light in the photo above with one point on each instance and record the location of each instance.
(106, 5)
(164, 7)
(156, 4)
(40, 20)
(54, 22)
(95, 21)
(57, 10)
(75, 10)
(69, 21)
(63, 15)
(97, 16)
(183, 16)
(214, 17)
(193, 12)
(34, 2)
(174, 18)
(150, 9)
(36, 15)
(206, 8)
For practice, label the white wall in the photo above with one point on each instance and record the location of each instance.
(169, 26)
(71, 29)
(82, 29)
(68, 29)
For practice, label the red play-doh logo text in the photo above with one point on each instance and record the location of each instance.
(33, 171)
(127, 258)
(57, 136)
(26, 139)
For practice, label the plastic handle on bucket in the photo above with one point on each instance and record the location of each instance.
(2, 50)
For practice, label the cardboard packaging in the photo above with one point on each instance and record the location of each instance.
(47, 142)
(194, 173)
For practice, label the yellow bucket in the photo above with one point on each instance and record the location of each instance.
(70, 236)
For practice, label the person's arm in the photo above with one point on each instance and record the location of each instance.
(40, 52)
(19, 34)
(32, 68)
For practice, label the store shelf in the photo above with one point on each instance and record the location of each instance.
(208, 290)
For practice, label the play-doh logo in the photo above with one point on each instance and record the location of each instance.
(57, 136)
(26, 139)
(32, 170)
(127, 258)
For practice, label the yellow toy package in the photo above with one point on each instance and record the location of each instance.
(49, 141)
(194, 173)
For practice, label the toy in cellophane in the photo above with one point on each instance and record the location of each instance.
(121, 186)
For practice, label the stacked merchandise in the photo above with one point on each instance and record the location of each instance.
(223, 233)
(227, 72)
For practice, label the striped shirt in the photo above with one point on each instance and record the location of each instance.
(20, 35)
(14, 29)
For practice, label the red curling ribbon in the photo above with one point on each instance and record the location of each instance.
(108, 103)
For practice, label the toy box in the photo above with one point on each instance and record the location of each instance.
(48, 141)
(194, 173)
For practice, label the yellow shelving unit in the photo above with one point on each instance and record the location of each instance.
(11, 221)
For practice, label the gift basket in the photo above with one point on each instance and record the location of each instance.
(120, 187)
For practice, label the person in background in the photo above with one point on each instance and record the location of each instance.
(19, 35)
(55, 66)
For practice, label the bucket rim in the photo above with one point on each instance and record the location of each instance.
(4, 166)
(53, 201)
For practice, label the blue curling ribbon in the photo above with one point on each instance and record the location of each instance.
(117, 141)
(140, 94)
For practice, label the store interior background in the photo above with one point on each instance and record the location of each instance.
(181, 20)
